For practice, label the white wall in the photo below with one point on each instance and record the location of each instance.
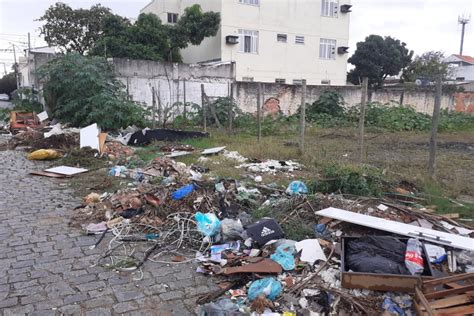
(286, 60)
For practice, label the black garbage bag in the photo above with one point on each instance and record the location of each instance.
(376, 254)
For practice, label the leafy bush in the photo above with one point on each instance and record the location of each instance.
(349, 179)
(4, 115)
(330, 103)
(394, 118)
(221, 106)
(83, 90)
(26, 99)
(456, 121)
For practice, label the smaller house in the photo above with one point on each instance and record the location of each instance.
(462, 67)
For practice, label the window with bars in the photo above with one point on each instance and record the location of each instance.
(327, 48)
(299, 39)
(172, 18)
(297, 81)
(283, 38)
(326, 82)
(248, 41)
(329, 8)
(251, 2)
(280, 80)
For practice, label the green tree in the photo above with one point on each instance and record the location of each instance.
(73, 30)
(427, 66)
(148, 38)
(82, 90)
(8, 84)
(377, 58)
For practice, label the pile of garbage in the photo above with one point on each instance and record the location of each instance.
(271, 250)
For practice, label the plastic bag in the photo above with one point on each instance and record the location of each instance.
(223, 307)
(296, 188)
(208, 224)
(284, 257)
(44, 154)
(118, 171)
(231, 229)
(269, 287)
(183, 192)
(413, 257)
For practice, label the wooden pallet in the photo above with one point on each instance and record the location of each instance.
(452, 295)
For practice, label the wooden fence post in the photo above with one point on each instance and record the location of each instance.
(184, 99)
(434, 128)
(153, 104)
(302, 115)
(259, 118)
(204, 106)
(363, 101)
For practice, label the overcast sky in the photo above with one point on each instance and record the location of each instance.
(423, 24)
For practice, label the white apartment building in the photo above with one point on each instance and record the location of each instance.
(283, 41)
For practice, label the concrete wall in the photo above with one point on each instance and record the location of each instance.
(287, 98)
(142, 77)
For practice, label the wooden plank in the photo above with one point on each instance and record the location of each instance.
(454, 278)
(420, 311)
(433, 236)
(449, 292)
(459, 310)
(451, 301)
(423, 301)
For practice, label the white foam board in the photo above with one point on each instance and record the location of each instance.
(312, 250)
(89, 136)
(68, 171)
(42, 116)
(214, 150)
(430, 235)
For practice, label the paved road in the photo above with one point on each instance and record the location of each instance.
(46, 265)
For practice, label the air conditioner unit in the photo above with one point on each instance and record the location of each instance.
(232, 39)
(346, 8)
(342, 50)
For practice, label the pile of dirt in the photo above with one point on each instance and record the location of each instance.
(63, 141)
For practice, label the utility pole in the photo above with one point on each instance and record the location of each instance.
(16, 68)
(363, 101)
(302, 116)
(29, 42)
(463, 21)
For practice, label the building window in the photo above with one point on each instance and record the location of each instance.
(329, 8)
(326, 82)
(248, 79)
(298, 81)
(251, 2)
(282, 38)
(172, 17)
(248, 41)
(327, 49)
(299, 39)
(277, 80)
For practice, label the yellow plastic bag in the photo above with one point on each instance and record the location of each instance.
(44, 154)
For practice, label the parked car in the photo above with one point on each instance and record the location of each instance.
(4, 97)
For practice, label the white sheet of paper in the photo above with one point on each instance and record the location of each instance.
(42, 116)
(68, 171)
(434, 252)
(312, 250)
(90, 136)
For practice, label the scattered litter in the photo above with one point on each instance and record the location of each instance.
(413, 256)
(311, 251)
(296, 188)
(89, 137)
(382, 207)
(208, 224)
(43, 116)
(436, 254)
(268, 287)
(271, 166)
(183, 192)
(265, 230)
(44, 154)
(284, 256)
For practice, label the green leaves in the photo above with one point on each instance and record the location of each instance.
(73, 30)
(378, 57)
(82, 90)
(149, 39)
(427, 66)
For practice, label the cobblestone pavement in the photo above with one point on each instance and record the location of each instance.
(46, 265)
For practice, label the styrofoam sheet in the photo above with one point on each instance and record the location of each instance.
(89, 137)
(43, 116)
(68, 171)
(431, 235)
(178, 154)
(214, 150)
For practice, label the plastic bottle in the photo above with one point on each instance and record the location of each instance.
(183, 192)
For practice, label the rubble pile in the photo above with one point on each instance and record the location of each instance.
(271, 250)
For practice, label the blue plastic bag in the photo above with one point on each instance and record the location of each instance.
(296, 188)
(269, 287)
(284, 257)
(208, 224)
(183, 192)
